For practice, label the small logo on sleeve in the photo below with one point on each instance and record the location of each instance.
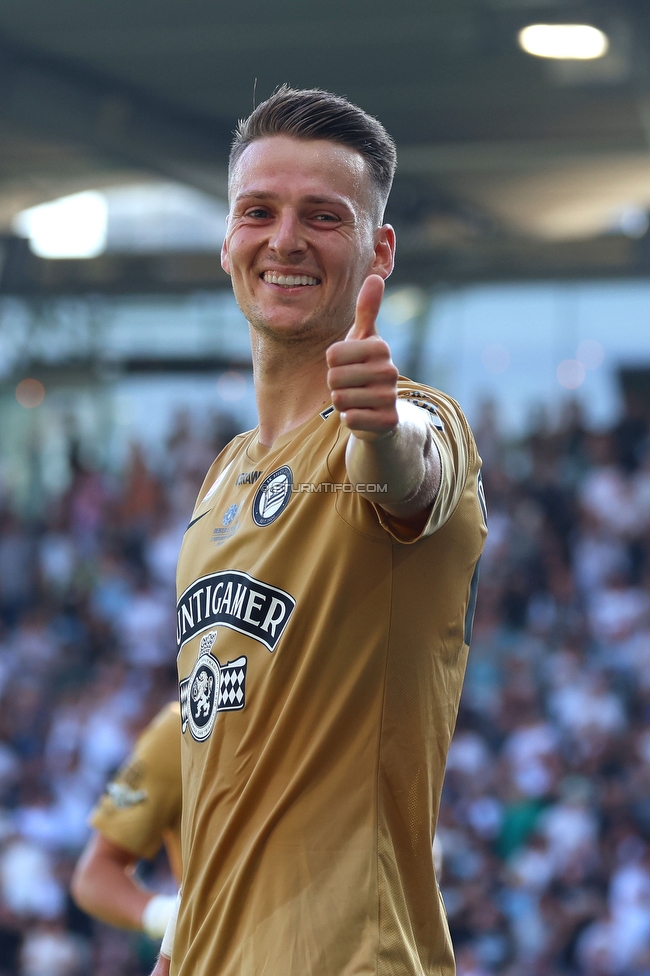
(124, 797)
(273, 496)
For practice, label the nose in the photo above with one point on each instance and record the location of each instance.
(287, 237)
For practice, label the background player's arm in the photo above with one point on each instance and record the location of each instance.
(104, 886)
(162, 966)
(392, 443)
(163, 962)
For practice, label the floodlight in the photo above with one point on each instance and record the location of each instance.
(70, 227)
(577, 42)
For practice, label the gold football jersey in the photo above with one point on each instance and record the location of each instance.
(141, 807)
(322, 649)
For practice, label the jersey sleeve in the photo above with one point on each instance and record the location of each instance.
(458, 456)
(142, 804)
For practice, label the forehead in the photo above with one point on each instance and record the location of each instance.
(309, 166)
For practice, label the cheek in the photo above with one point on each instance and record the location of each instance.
(237, 251)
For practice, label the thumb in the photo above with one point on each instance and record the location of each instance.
(368, 304)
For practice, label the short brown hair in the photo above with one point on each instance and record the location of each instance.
(316, 114)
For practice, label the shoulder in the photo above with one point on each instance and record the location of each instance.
(446, 417)
(161, 735)
(220, 467)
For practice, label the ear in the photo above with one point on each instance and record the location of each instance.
(225, 257)
(384, 258)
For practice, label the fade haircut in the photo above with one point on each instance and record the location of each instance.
(316, 114)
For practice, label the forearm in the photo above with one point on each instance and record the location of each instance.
(162, 966)
(107, 890)
(405, 461)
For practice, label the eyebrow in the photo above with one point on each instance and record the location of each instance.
(310, 198)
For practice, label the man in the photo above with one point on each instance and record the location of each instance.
(325, 584)
(139, 812)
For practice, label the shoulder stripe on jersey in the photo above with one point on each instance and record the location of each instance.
(418, 400)
(217, 482)
(481, 497)
(471, 606)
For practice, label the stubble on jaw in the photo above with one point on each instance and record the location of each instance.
(317, 331)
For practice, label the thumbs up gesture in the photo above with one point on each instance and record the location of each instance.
(361, 374)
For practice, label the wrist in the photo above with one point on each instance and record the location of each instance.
(156, 915)
(376, 436)
(170, 931)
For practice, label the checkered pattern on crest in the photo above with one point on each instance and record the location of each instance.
(232, 687)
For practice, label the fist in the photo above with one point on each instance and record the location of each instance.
(361, 374)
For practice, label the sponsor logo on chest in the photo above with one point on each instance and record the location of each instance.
(236, 600)
(248, 477)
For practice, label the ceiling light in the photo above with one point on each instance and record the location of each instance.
(578, 42)
(70, 227)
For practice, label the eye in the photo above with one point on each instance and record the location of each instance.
(326, 217)
(258, 213)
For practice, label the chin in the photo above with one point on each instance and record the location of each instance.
(294, 330)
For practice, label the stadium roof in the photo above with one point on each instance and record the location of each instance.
(510, 165)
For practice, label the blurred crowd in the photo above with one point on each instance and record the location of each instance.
(545, 820)
(87, 658)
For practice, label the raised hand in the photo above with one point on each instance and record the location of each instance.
(362, 376)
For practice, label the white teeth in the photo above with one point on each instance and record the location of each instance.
(288, 281)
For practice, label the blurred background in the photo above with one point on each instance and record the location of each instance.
(522, 288)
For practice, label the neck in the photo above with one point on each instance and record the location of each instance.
(290, 384)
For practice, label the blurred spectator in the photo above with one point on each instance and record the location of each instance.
(28, 880)
(16, 568)
(145, 626)
(54, 951)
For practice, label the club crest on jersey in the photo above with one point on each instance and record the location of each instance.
(273, 496)
(211, 688)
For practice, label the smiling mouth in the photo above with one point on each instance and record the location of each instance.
(289, 281)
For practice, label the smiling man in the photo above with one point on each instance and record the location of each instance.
(325, 589)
